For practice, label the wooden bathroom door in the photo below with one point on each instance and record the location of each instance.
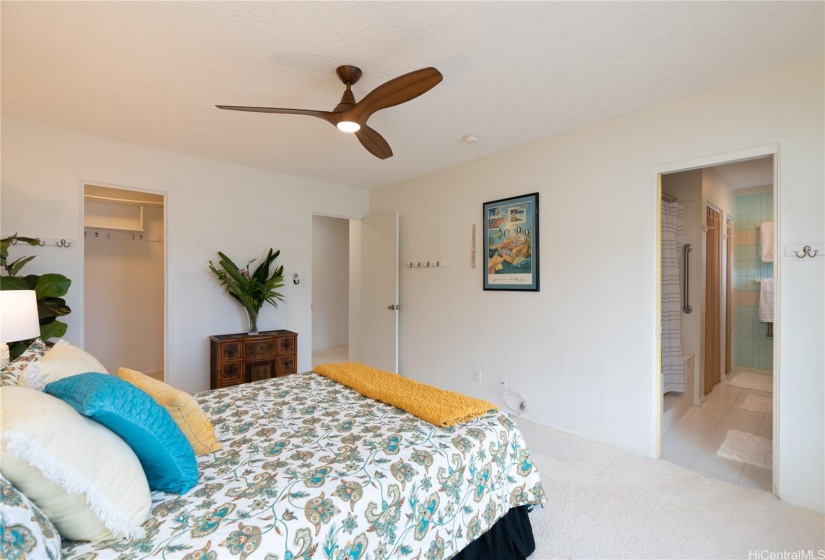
(728, 294)
(713, 299)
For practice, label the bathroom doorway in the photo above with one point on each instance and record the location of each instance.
(717, 279)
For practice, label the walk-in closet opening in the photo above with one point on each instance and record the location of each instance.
(124, 275)
(717, 318)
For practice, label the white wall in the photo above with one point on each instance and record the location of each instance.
(212, 206)
(583, 348)
(123, 297)
(330, 282)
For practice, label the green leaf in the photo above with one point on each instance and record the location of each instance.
(13, 283)
(15, 267)
(52, 307)
(16, 349)
(55, 329)
(52, 285)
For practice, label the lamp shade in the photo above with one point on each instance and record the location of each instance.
(18, 315)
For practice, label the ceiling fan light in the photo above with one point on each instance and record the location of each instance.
(348, 126)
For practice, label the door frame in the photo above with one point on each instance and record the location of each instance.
(165, 195)
(699, 162)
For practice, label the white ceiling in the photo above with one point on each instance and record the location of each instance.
(748, 174)
(514, 72)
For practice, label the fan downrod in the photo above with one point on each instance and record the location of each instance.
(348, 74)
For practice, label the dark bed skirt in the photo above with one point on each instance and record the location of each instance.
(511, 538)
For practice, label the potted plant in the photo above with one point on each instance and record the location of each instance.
(49, 289)
(254, 289)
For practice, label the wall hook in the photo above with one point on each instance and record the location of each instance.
(41, 243)
(63, 243)
(807, 252)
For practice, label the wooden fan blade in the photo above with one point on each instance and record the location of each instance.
(374, 142)
(396, 91)
(326, 115)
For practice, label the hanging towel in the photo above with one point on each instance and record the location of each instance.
(766, 241)
(766, 300)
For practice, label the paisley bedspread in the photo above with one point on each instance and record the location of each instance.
(312, 469)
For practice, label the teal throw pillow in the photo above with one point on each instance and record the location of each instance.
(164, 452)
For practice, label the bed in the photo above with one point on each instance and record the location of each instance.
(312, 469)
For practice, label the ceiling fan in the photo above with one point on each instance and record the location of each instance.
(350, 116)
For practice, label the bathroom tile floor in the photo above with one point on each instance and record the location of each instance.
(693, 441)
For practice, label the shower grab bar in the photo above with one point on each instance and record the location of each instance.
(686, 249)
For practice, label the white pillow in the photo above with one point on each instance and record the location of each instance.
(85, 478)
(64, 360)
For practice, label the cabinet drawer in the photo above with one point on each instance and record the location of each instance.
(286, 364)
(230, 350)
(259, 349)
(256, 371)
(286, 345)
(231, 373)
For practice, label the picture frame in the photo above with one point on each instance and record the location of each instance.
(511, 243)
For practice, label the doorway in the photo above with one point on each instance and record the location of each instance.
(726, 302)
(330, 289)
(124, 278)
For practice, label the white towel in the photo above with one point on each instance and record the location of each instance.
(766, 301)
(766, 241)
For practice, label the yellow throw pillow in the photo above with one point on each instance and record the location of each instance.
(184, 409)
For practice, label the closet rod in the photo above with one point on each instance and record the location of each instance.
(154, 238)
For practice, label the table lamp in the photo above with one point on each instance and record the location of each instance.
(18, 319)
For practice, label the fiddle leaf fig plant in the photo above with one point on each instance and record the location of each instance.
(49, 290)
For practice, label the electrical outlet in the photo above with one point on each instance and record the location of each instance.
(476, 376)
(502, 382)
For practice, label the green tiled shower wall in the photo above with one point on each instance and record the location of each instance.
(751, 348)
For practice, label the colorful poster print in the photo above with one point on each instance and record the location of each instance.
(511, 243)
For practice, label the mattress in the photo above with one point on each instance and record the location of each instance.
(312, 469)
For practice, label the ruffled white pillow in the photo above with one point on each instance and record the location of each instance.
(63, 360)
(85, 478)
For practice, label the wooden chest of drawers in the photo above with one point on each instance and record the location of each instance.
(242, 358)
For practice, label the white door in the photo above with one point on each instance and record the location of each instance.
(379, 291)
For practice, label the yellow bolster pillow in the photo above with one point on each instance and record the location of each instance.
(184, 409)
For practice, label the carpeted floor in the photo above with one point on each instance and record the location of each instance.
(607, 503)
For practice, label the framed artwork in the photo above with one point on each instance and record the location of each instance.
(511, 243)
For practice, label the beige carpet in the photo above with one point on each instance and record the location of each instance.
(607, 503)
